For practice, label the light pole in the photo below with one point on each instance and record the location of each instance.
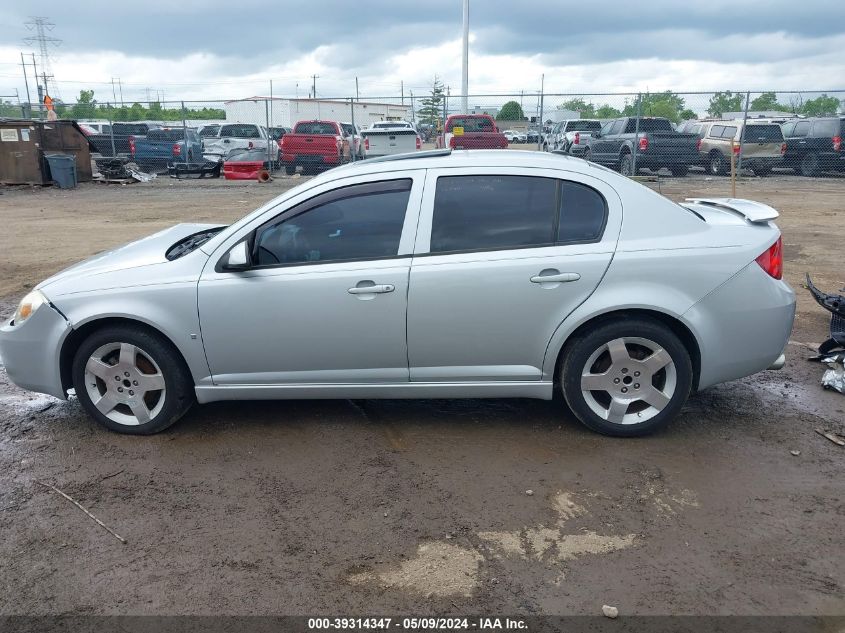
(465, 69)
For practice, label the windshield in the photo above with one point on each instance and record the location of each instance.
(240, 131)
(471, 124)
(315, 127)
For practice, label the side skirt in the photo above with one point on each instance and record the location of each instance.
(405, 390)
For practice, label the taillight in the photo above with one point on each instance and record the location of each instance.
(736, 150)
(577, 138)
(132, 145)
(452, 143)
(782, 149)
(419, 143)
(837, 143)
(698, 145)
(643, 144)
(367, 143)
(771, 260)
(177, 149)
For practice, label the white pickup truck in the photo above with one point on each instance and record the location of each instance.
(383, 138)
(238, 136)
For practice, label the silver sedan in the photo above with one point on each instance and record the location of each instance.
(433, 275)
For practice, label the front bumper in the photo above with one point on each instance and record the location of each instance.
(30, 351)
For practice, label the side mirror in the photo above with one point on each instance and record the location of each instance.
(237, 258)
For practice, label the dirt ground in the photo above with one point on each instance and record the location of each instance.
(420, 507)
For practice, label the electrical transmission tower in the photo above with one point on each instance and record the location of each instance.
(45, 42)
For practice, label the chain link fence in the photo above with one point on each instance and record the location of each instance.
(667, 132)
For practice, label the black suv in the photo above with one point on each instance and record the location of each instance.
(814, 145)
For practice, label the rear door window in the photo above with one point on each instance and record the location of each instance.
(802, 128)
(716, 131)
(729, 131)
(493, 212)
(583, 213)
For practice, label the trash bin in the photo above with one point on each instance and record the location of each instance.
(62, 170)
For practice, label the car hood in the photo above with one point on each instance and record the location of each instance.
(148, 251)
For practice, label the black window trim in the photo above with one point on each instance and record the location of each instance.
(367, 188)
(558, 193)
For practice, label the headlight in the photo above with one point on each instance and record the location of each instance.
(29, 304)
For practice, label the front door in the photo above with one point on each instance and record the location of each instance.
(325, 300)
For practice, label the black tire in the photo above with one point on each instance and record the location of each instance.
(178, 393)
(681, 170)
(626, 165)
(810, 165)
(716, 164)
(579, 351)
(290, 170)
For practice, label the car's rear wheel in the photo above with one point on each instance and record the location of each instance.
(290, 170)
(626, 378)
(717, 164)
(131, 381)
(626, 165)
(810, 165)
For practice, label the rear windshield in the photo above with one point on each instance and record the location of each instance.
(209, 130)
(829, 127)
(384, 124)
(649, 125)
(471, 124)
(583, 126)
(130, 128)
(169, 134)
(763, 133)
(240, 131)
(315, 127)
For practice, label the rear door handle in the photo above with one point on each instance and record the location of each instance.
(555, 278)
(371, 290)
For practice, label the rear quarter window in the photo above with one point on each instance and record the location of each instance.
(583, 213)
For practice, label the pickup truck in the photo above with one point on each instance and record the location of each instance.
(383, 138)
(314, 145)
(571, 135)
(120, 133)
(657, 145)
(165, 145)
(239, 136)
(479, 132)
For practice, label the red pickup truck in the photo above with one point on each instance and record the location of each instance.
(479, 132)
(314, 145)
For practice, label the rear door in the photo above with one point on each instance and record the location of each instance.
(502, 257)
(605, 149)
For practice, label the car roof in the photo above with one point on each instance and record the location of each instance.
(433, 159)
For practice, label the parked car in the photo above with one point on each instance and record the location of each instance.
(478, 131)
(239, 136)
(762, 146)
(353, 137)
(532, 136)
(657, 143)
(384, 138)
(515, 137)
(117, 141)
(314, 145)
(814, 145)
(567, 135)
(430, 275)
(247, 164)
(165, 145)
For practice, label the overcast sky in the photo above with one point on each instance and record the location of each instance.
(223, 50)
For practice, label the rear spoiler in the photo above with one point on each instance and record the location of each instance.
(749, 209)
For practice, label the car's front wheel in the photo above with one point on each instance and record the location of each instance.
(626, 377)
(131, 380)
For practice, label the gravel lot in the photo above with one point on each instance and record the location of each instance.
(365, 507)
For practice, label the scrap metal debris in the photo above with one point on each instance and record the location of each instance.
(833, 438)
(832, 351)
(115, 170)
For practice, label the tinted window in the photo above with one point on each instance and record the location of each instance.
(826, 127)
(170, 134)
(239, 131)
(487, 212)
(315, 127)
(763, 133)
(138, 129)
(358, 222)
(348, 130)
(802, 128)
(583, 126)
(471, 124)
(582, 213)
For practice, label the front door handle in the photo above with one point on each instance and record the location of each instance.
(555, 277)
(372, 289)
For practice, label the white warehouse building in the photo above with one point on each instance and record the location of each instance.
(285, 112)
